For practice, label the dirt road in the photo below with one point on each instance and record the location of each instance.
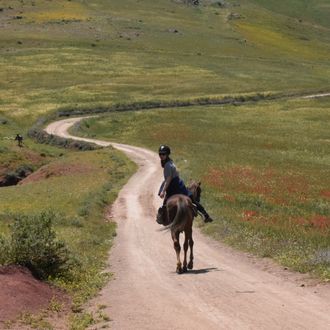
(226, 290)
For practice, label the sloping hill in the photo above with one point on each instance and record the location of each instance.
(77, 53)
(313, 12)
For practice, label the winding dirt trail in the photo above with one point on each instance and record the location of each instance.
(226, 290)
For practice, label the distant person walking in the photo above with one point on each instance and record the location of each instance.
(19, 139)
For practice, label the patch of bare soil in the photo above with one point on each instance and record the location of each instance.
(55, 170)
(21, 293)
(33, 157)
(20, 165)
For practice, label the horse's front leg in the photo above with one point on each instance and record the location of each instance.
(185, 249)
(177, 248)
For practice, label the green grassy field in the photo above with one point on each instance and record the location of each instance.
(76, 53)
(265, 166)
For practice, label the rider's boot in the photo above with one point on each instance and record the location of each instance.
(207, 218)
(201, 209)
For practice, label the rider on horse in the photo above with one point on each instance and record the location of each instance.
(173, 185)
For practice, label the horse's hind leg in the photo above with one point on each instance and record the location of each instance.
(191, 245)
(185, 249)
(177, 248)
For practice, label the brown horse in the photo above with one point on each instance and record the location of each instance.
(180, 216)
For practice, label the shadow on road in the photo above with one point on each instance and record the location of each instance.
(202, 271)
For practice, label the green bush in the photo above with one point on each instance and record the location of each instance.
(34, 245)
(3, 149)
(4, 248)
(41, 136)
(3, 121)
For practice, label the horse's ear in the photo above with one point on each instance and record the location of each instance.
(199, 183)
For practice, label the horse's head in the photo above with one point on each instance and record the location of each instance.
(196, 190)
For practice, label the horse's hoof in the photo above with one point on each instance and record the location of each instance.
(184, 269)
(179, 271)
(190, 265)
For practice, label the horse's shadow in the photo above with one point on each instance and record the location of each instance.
(201, 271)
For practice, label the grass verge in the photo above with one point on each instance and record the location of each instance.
(76, 188)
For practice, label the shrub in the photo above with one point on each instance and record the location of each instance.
(42, 137)
(4, 249)
(24, 170)
(34, 245)
(3, 149)
(12, 178)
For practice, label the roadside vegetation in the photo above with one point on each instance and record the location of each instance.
(57, 221)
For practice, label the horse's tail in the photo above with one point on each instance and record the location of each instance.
(180, 216)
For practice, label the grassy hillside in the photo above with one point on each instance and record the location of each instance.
(74, 53)
(314, 13)
(84, 54)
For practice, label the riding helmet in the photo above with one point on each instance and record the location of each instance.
(163, 149)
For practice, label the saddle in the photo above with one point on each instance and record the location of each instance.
(162, 217)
